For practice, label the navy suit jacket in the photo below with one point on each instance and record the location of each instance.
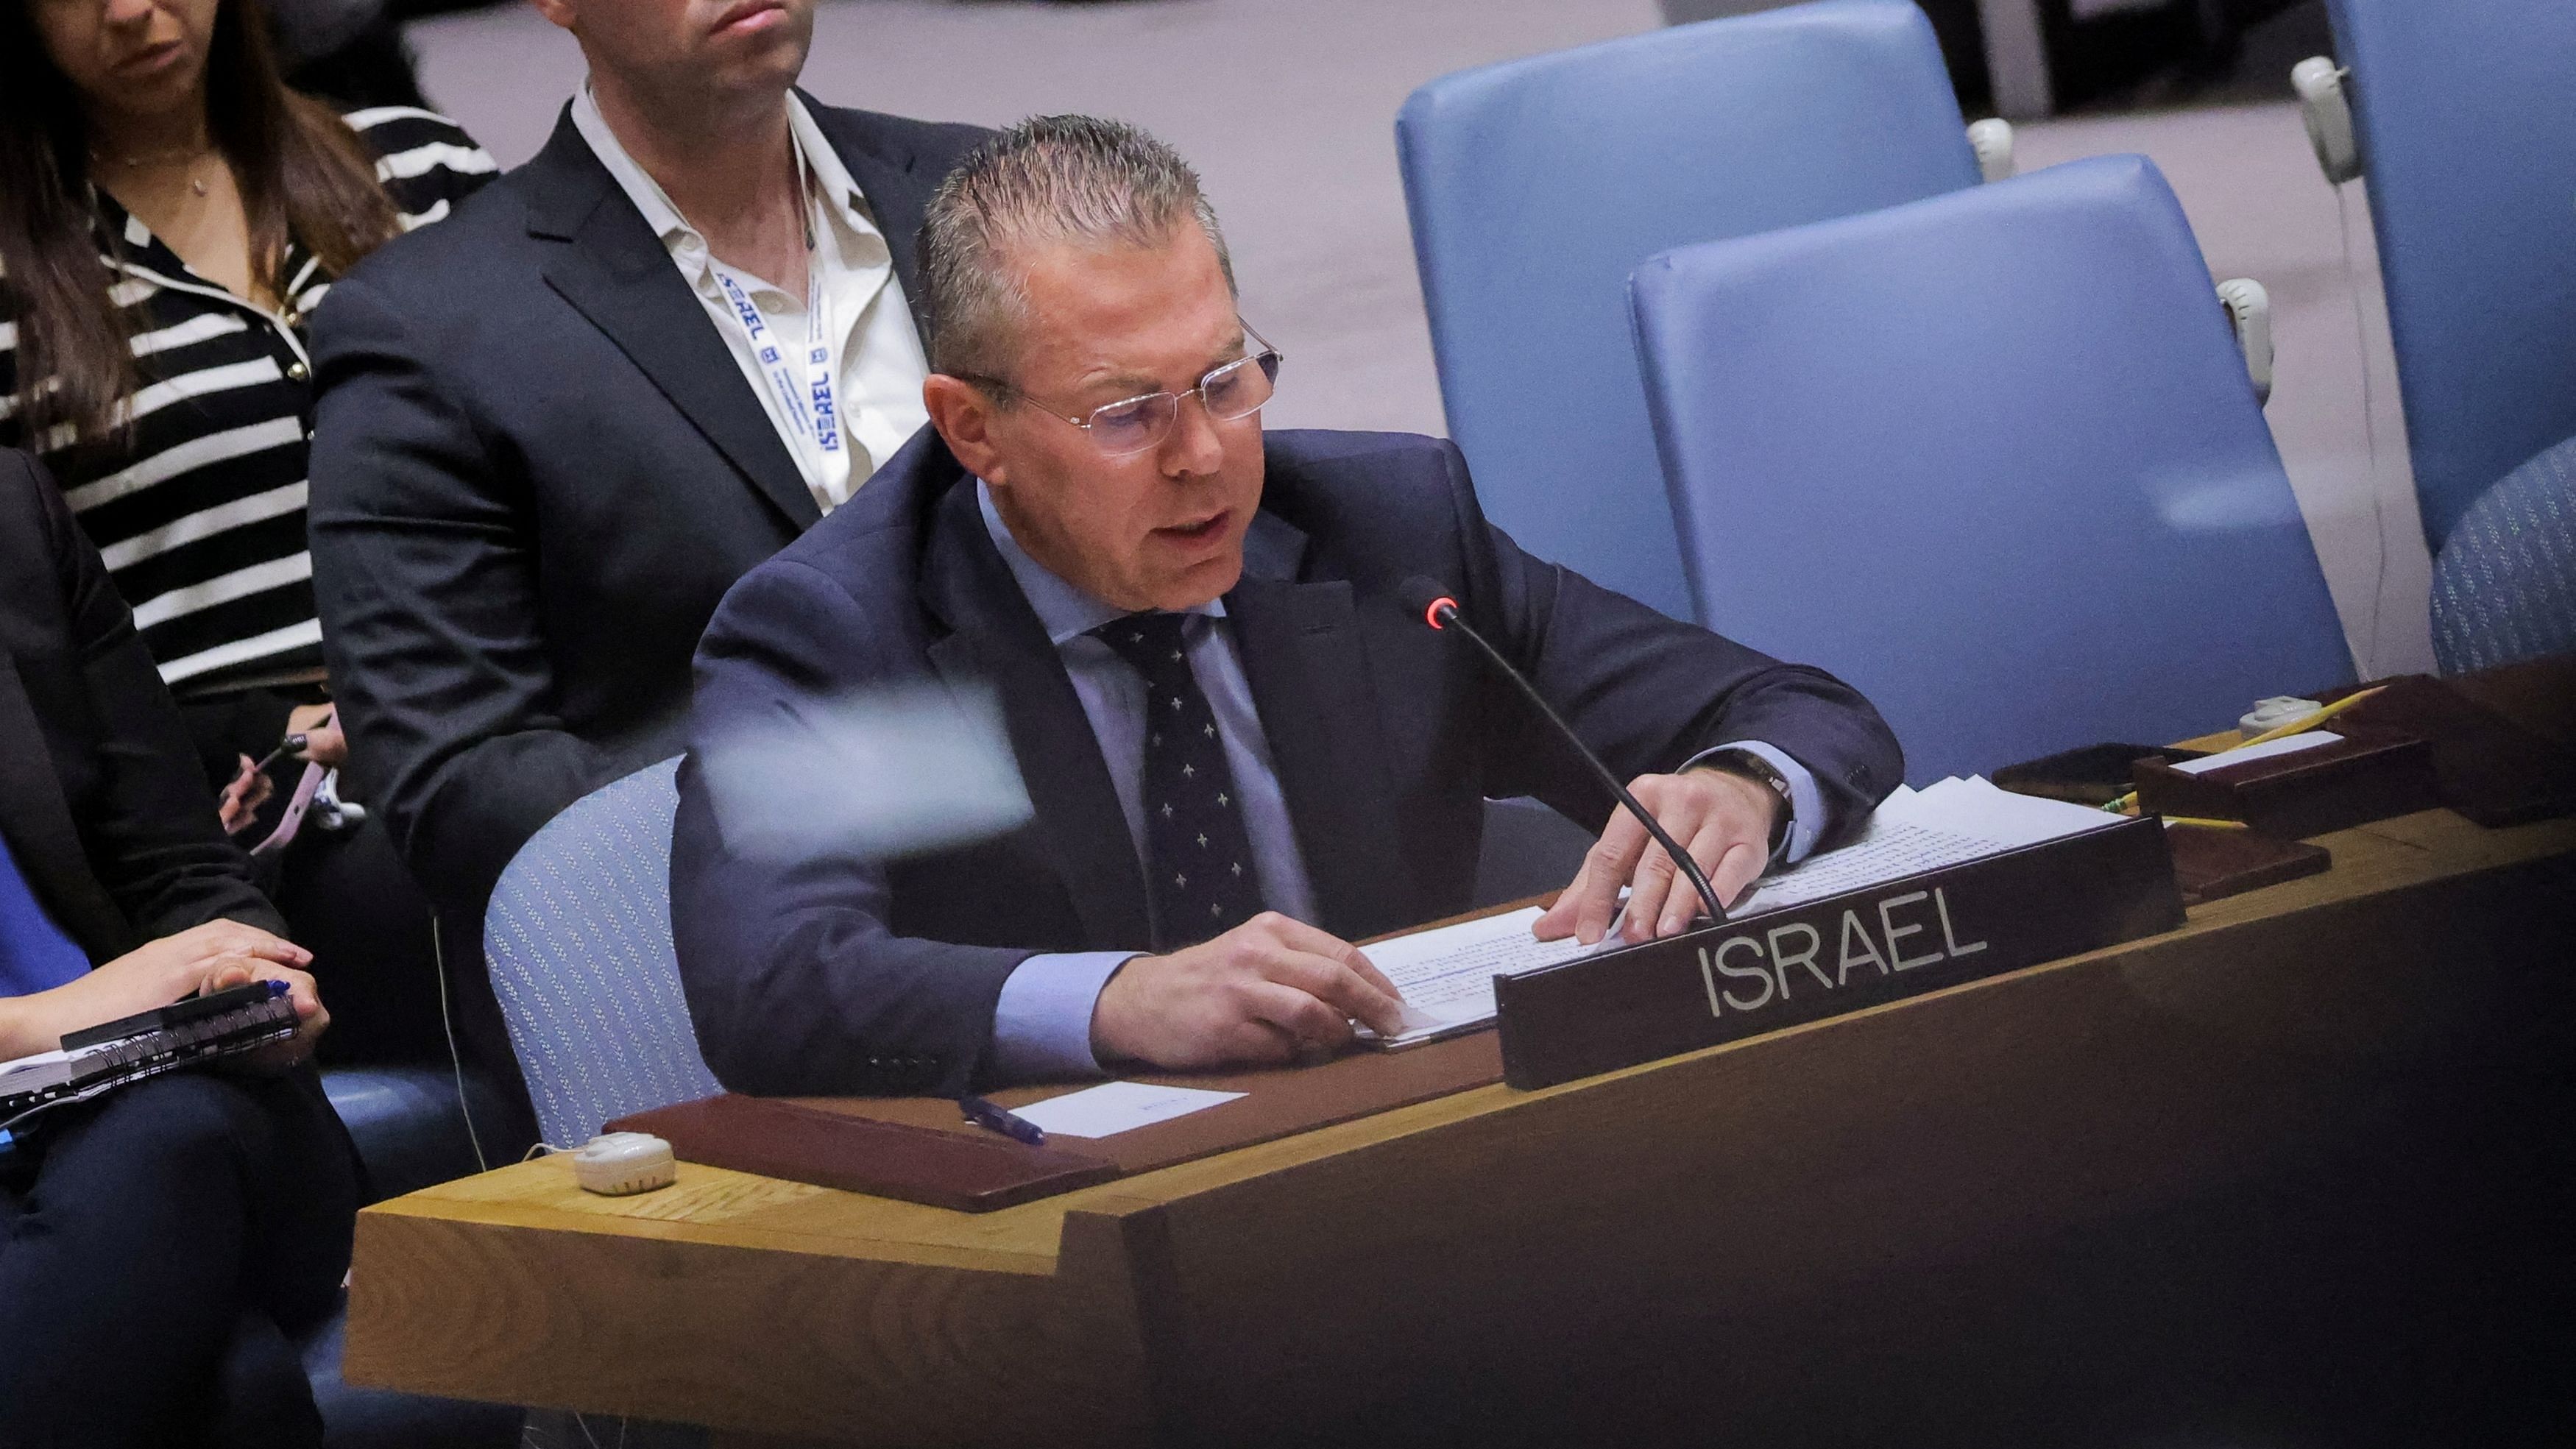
(1387, 737)
(536, 470)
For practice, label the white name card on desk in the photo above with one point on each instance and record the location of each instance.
(1114, 1107)
(2247, 754)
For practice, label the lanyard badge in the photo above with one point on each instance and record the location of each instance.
(808, 401)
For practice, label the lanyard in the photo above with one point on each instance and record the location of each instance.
(805, 392)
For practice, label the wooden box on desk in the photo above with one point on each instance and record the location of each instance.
(2368, 774)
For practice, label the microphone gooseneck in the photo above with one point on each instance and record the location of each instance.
(1440, 611)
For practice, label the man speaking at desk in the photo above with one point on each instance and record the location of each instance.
(1243, 751)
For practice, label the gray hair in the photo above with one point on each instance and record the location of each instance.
(1049, 179)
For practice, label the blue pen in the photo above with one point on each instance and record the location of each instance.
(1001, 1119)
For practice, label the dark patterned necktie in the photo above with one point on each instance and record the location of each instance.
(1198, 857)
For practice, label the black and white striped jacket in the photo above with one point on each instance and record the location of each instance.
(198, 509)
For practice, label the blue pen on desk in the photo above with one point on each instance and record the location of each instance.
(1001, 1119)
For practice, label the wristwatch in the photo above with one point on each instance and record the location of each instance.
(1753, 766)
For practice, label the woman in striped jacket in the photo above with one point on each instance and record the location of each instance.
(169, 215)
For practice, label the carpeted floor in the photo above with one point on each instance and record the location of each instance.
(1288, 108)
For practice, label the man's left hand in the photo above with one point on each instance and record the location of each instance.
(1724, 820)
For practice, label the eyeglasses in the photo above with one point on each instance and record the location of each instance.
(1131, 425)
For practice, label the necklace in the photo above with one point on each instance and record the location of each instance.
(190, 155)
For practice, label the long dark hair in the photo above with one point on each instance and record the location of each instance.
(304, 175)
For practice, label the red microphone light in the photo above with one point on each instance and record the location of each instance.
(1431, 615)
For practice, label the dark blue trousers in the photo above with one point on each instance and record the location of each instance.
(159, 1250)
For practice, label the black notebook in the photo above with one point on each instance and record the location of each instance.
(107, 1056)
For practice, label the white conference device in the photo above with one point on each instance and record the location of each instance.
(1992, 140)
(2278, 709)
(2328, 112)
(2249, 311)
(617, 1164)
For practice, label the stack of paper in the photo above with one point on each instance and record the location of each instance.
(1447, 974)
(41, 1071)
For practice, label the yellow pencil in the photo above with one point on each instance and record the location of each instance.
(2205, 824)
(2307, 722)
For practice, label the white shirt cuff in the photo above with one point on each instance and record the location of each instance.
(1042, 1023)
(1806, 802)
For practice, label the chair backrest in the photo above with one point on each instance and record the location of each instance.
(2462, 111)
(1994, 459)
(2504, 585)
(578, 938)
(1528, 850)
(1535, 187)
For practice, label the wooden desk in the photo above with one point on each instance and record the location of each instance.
(1464, 1267)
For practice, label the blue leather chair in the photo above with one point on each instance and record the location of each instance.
(2461, 112)
(578, 937)
(1994, 459)
(410, 1133)
(404, 1118)
(2504, 585)
(1535, 187)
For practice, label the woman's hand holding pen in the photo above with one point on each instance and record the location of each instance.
(240, 802)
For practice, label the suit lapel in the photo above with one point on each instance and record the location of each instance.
(1307, 662)
(996, 639)
(617, 273)
(897, 197)
(42, 836)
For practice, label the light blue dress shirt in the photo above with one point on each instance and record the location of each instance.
(1042, 1022)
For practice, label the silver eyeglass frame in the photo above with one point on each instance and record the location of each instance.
(1267, 351)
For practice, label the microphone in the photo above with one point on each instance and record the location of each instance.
(1440, 611)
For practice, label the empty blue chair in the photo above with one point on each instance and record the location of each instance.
(2462, 112)
(1994, 459)
(2504, 585)
(579, 940)
(1535, 187)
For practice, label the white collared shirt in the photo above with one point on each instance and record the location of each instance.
(876, 363)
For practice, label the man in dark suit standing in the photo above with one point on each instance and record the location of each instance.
(157, 1245)
(553, 430)
(1242, 750)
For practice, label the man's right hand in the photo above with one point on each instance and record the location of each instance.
(1264, 993)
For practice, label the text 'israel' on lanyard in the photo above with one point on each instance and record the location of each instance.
(804, 393)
